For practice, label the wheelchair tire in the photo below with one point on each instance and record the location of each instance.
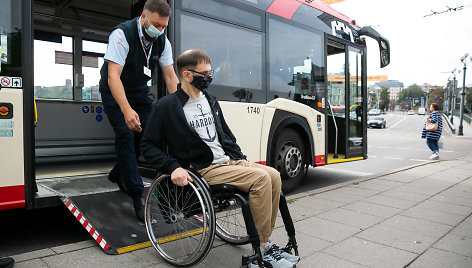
(230, 225)
(180, 221)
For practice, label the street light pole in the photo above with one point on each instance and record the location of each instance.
(453, 100)
(464, 60)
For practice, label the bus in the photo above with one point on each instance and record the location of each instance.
(284, 72)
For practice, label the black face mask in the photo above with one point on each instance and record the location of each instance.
(200, 82)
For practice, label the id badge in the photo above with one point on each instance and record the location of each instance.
(147, 71)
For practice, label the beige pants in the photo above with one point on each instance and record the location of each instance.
(261, 182)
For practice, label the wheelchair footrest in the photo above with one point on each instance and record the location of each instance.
(246, 260)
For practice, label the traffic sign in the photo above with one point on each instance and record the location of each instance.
(5, 81)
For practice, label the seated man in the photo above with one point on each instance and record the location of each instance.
(191, 123)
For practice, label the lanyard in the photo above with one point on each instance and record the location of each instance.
(142, 45)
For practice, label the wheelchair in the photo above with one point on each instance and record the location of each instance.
(181, 222)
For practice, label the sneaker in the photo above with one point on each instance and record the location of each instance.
(272, 256)
(434, 156)
(289, 257)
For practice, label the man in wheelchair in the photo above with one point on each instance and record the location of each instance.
(190, 122)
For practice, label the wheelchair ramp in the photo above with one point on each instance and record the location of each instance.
(110, 219)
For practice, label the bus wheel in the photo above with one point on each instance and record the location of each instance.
(290, 159)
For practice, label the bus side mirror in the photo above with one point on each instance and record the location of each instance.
(384, 44)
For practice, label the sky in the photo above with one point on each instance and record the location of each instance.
(423, 49)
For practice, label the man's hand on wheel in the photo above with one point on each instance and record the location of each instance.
(180, 177)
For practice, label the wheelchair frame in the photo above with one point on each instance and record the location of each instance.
(174, 214)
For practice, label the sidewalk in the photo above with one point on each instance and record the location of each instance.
(414, 217)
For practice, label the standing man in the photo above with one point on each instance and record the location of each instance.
(134, 49)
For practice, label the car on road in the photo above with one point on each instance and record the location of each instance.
(377, 122)
(421, 111)
(411, 112)
(374, 112)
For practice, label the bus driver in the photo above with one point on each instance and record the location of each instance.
(192, 125)
(134, 49)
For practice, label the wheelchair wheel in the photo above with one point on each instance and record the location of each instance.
(180, 221)
(230, 225)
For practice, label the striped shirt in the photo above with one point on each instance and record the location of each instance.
(434, 135)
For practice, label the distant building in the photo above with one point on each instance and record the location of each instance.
(427, 88)
(394, 88)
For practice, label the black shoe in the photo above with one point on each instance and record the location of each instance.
(6, 262)
(115, 177)
(138, 204)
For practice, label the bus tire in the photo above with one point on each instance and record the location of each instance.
(290, 159)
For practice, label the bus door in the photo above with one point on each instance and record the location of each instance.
(345, 98)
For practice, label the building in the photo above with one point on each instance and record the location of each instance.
(394, 88)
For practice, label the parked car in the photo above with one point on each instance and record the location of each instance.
(374, 112)
(378, 122)
(421, 111)
(411, 112)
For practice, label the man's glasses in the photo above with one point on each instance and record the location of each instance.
(205, 74)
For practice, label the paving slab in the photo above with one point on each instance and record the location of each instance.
(33, 255)
(402, 177)
(95, 257)
(317, 203)
(445, 207)
(307, 245)
(37, 263)
(350, 217)
(75, 246)
(397, 238)
(319, 259)
(457, 244)
(337, 195)
(418, 189)
(391, 184)
(298, 212)
(358, 191)
(434, 215)
(390, 201)
(440, 258)
(464, 228)
(453, 200)
(324, 229)
(372, 209)
(419, 226)
(396, 193)
(370, 253)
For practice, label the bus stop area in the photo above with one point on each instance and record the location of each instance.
(419, 216)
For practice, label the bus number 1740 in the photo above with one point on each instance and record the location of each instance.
(253, 110)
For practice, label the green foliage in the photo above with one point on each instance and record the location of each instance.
(413, 91)
(373, 97)
(384, 98)
(468, 98)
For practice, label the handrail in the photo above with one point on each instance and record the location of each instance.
(336, 127)
(451, 126)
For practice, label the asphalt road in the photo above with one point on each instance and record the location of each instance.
(398, 145)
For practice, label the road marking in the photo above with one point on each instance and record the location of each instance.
(384, 147)
(371, 156)
(403, 148)
(446, 151)
(419, 160)
(394, 125)
(394, 158)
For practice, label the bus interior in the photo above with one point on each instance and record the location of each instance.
(74, 142)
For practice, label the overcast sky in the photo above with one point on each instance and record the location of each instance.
(421, 47)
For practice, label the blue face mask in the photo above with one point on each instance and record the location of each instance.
(152, 31)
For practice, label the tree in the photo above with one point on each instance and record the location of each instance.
(373, 97)
(410, 93)
(437, 96)
(468, 99)
(384, 98)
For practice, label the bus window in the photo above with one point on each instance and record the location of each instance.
(236, 56)
(53, 72)
(355, 99)
(336, 76)
(92, 61)
(296, 68)
(10, 38)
